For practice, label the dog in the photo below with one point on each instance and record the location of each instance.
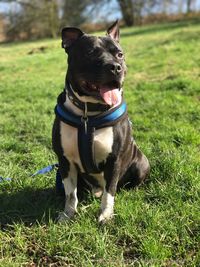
(90, 144)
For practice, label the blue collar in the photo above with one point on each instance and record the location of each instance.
(107, 118)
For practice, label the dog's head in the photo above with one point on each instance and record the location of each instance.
(96, 65)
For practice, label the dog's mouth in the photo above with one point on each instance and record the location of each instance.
(109, 92)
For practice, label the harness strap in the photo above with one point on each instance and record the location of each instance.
(86, 149)
(86, 127)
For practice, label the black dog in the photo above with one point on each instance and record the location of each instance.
(92, 133)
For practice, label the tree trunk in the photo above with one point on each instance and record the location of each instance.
(126, 7)
(53, 18)
(189, 2)
(180, 6)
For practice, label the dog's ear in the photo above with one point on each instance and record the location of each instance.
(69, 36)
(113, 31)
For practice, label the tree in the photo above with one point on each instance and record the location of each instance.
(126, 7)
(33, 19)
(44, 18)
(189, 2)
(132, 10)
(73, 12)
(138, 9)
(180, 6)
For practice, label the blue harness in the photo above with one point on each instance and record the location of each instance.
(86, 126)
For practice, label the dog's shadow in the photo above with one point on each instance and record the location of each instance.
(29, 205)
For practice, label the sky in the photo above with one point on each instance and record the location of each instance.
(4, 7)
(111, 11)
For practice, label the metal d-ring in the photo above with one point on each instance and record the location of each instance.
(84, 118)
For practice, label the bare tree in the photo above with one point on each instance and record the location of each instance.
(44, 18)
(72, 12)
(180, 6)
(33, 19)
(132, 10)
(189, 2)
(126, 7)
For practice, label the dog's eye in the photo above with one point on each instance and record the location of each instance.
(120, 55)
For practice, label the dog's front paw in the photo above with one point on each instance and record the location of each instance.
(63, 217)
(105, 216)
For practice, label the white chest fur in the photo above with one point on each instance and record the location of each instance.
(103, 142)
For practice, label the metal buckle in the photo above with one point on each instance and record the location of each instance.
(84, 118)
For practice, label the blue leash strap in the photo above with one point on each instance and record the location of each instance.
(59, 184)
(46, 169)
(2, 179)
(42, 171)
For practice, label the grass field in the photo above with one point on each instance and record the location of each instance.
(158, 224)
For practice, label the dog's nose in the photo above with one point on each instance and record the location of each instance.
(115, 68)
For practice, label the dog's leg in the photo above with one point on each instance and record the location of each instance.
(71, 201)
(137, 172)
(139, 169)
(107, 204)
(111, 175)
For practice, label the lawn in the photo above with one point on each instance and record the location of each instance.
(157, 224)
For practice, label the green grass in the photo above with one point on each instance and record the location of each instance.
(158, 224)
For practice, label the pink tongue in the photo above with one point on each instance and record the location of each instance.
(111, 97)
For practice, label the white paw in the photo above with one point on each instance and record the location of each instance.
(63, 217)
(105, 216)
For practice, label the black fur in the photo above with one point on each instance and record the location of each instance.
(99, 61)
